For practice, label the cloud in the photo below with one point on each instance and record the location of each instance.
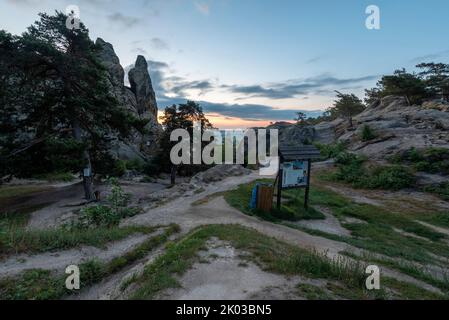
(127, 21)
(249, 112)
(290, 89)
(173, 89)
(159, 44)
(315, 59)
(431, 56)
(202, 7)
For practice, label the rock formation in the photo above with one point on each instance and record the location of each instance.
(397, 126)
(140, 99)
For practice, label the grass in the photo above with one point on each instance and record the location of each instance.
(56, 177)
(413, 270)
(291, 210)
(378, 232)
(273, 255)
(17, 191)
(19, 240)
(442, 190)
(16, 238)
(344, 278)
(44, 285)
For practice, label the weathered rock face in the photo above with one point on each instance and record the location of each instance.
(140, 99)
(397, 126)
(142, 87)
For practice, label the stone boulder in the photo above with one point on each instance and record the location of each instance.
(218, 173)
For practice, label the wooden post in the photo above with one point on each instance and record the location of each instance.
(306, 197)
(279, 195)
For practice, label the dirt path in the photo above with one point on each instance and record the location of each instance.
(69, 199)
(218, 211)
(58, 261)
(223, 275)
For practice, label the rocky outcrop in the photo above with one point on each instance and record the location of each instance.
(142, 88)
(397, 127)
(140, 99)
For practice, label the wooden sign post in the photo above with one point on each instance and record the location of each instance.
(295, 167)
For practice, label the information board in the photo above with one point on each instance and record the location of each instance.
(294, 174)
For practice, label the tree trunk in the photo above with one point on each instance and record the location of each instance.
(350, 122)
(408, 100)
(87, 172)
(173, 175)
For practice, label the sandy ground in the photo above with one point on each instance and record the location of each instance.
(223, 275)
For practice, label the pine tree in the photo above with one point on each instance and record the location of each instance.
(63, 94)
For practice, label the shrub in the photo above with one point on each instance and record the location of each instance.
(388, 178)
(351, 169)
(367, 133)
(441, 189)
(119, 168)
(108, 215)
(431, 160)
(329, 151)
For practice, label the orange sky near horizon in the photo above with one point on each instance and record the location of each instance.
(223, 122)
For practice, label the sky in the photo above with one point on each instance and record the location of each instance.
(252, 62)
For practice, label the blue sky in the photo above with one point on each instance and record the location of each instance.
(256, 61)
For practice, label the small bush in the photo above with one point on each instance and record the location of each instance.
(351, 169)
(329, 151)
(431, 160)
(368, 134)
(388, 178)
(119, 168)
(108, 215)
(442, 190)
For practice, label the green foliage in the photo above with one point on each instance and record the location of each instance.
(15, 239)
(56, 177)
(345, 106)
(436, 77)
(430, 160)
(351, 169)
(367, 133)
(442, 190)
(388, 178)
(330, 151)
(110, 214)
(181, 116)
(53, 83)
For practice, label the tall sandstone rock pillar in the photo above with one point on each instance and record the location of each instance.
(140, 99)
